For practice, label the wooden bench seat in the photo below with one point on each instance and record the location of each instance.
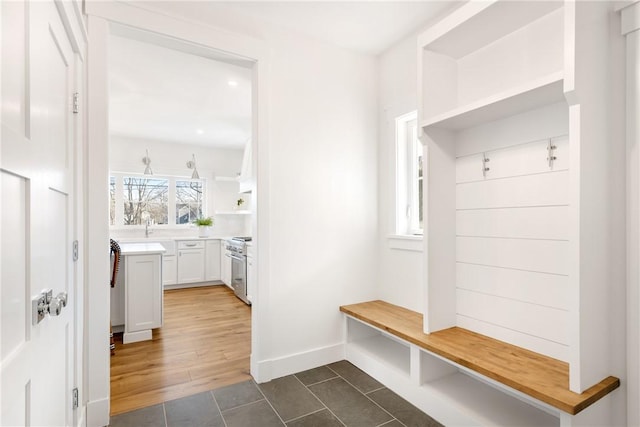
(533, 374)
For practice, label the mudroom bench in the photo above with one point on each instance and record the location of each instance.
(463, 378)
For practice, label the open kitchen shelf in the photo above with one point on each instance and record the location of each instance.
(238, 212)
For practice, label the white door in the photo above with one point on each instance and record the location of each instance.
(36, 172)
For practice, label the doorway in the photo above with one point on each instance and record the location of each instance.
(179, 132)
(101, 21)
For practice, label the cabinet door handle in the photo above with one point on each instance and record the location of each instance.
(190, 245)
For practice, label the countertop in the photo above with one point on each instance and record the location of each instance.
(184, 239)
(152, 238)
(141, 248)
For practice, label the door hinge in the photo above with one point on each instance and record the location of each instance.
(75, 250)
(76, 103)
(75, 398)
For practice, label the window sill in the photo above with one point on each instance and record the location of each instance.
(405, 242)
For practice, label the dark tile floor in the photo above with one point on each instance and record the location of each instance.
(338, 394)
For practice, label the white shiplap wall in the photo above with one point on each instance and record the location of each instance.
(512, 247)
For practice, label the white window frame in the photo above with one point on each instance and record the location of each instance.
(119, 200)
(408, 149)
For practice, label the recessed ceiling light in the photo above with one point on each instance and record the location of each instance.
(232, 83)
(199, 131)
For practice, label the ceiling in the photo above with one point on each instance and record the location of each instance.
(369, 27)
(160, 92)
(163, 94)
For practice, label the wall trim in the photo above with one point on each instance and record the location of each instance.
(630, 24)
(96, 411)
(298, 362)
(406, 242)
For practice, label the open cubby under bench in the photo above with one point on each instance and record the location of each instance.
(379, 338)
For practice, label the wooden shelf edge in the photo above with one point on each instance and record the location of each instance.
(545, 90)
(563, 399)
(597, 392)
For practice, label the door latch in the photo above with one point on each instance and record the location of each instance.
(40, 305)
(46, 303)
(57, 304)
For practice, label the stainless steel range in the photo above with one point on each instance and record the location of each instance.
(237, 248)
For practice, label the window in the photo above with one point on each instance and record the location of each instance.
(158, 200)
(145, 199)
(409, 176)
(188, 201)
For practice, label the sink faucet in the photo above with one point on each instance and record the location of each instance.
(146, 228)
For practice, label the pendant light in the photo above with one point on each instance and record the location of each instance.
(147, 162)
(192, 165)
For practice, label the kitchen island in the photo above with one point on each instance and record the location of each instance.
(140, 291)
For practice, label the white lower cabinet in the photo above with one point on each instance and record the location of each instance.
(185, 262)
(212, 262)
(191, 261)
(169, 270)
(143, 296)
(225, 264)
(251, 274)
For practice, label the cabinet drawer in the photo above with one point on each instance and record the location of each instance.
(190, 244)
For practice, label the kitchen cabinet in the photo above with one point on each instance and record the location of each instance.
(184, 262)
(225, 264)
(169, 270)
(143, 296)
(191, 261)
(251, 273)
(142, 273)
(117, 300)
(212, 262)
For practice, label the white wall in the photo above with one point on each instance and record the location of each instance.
(322, 194)
(125, 155)
(400, 270)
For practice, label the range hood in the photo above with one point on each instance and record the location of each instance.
(246, 178)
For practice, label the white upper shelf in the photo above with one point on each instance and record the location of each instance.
(543, 91)
(487, 20)
(236, 212)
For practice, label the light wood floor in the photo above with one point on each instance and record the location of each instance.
(204, 344)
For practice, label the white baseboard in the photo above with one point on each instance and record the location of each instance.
(267, 370)
(129, 337)
(192, 285)
(98, 413)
